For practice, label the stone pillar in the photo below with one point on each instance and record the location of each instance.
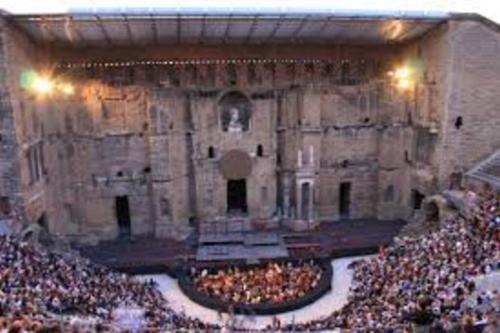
(298, 200)
(311, 155)
(10, 158)
(286, 196)
(299, 158)
(310, 213)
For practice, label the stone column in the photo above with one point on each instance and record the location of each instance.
(286, 196)
(298, 200)
(311, 156)
(310, 207)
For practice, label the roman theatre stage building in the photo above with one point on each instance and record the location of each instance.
(157, 123)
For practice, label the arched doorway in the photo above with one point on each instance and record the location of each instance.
(432, 212)
(455, 181)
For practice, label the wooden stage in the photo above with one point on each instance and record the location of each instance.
(331, 239)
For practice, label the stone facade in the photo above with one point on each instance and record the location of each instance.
(314, 133)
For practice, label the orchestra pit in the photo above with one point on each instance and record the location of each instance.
(185, 170)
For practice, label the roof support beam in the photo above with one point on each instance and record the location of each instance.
(276, 28)
(252, 29)
(179, 31)
(72, 27)
(154, 30)
(228, 28)
(202, 32)
(47, 34)
(324, 26)
(103, 30)
(129, 31)
(407, 30)
(327, 35)
(299, 28)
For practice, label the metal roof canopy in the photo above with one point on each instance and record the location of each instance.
(173, 26)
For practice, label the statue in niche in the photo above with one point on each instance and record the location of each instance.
(234, 122)
(234, 110)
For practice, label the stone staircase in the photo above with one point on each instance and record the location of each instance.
(488, 170)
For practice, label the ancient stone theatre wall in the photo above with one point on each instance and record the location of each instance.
(156, 141)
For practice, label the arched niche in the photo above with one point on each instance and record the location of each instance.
(235, 111)
(164, 207)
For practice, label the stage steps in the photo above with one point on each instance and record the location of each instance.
(262, 238)
(251, 238)
(237, 240)
(240, 252)
(225, 238)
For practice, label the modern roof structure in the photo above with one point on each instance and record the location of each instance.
(92, 28)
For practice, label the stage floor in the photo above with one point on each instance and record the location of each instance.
(336, 239)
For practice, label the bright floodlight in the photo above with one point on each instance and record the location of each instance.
(42, 85)
(67, 89)
(404, 84)
(402, 73)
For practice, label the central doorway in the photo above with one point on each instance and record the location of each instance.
(122, 211)
(345, 200)
(236, 196)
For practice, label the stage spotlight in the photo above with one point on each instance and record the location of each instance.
(42, 85)
(402, 73)
(403, 77)
(67, 88)
(27, 78)
(404, 84)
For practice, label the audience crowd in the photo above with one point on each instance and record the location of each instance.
(426, 281)
(37, 287)
(273, 283)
